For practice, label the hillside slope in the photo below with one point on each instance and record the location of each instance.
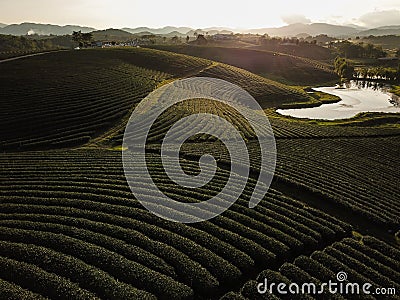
(68, 98)
(277, 66)
(71, 228)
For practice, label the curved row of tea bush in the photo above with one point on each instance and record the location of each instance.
(366, 261)
(283, 128)
(291, 128)
(268, 93)
(359, 174)
(17, 53)
(70, 97)
(297, 70)
(72, 111)
(87, 276)
(86, 213)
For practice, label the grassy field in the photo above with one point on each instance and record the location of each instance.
(72, 229)
(396, 90)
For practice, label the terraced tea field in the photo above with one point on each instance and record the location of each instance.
(76, 206)
(69, 98)
(341, 175)
(279, 66)
(368, 260)
(72, 229)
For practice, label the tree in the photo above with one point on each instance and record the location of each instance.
(348, 72)
(87, 37)
(343, 68)
(82, 38)
(77, 37)
(201, 40)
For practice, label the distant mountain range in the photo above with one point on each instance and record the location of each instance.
(311, 29)
(384, 30)
(111, 34)
(42, 29)
(291, 30)
(164, 30)
(180, 31)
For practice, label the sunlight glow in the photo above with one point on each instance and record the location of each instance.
(196, 14)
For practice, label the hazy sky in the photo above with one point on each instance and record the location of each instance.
(205, 13)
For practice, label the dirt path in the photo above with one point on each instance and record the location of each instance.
(29, 55)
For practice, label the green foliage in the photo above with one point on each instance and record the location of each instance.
(115, 264)
(11, 46)
(83, 39)
(387, 250)
(288, 68)
(47, 284)
(381, 73)
(352, 50)
(13, 291)
(268, 93)
(339, 176)
(396, 90)
(298, 47)
(108, 83)
(71, 228)
(89, 277)
(314, 268)
(89, 101)
(386, 41)
(233, 296)
(343, 68)
(342, 179)
(362, 263)
(316, 99)
(93, 223)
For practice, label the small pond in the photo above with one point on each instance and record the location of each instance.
(356, 97)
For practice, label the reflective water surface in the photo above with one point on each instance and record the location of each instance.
(356, 97)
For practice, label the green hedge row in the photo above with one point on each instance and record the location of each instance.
(11, 291)
(111, 262)
(87, 276)
(154, 254)
(360, 260)
(38, 281)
